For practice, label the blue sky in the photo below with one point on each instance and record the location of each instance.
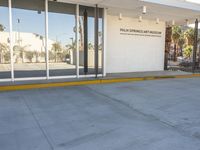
(60, 25)
(4, 17)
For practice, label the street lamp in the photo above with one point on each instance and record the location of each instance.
(18, 28)
(72, 39)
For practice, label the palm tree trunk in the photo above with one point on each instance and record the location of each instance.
(181, 50)
(55, 57)
(23, 57)
(1, 58)
(175, 50)
(81, 32)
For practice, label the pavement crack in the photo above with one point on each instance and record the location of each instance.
(152, 117)
(38, 124)
(84, 139)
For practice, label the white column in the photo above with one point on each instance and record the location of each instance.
(77, 40)
(46, 38)
(104, 40)
(11, 40)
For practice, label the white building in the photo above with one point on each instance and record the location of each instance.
(33, 42)
(133, 30)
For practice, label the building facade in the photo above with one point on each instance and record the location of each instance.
(52, 39)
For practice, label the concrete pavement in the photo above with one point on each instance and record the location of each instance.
(149, 115)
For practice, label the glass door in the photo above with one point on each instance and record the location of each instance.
(62, 43)
(90, 33)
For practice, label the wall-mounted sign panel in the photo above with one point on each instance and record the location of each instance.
(134, 46)
(137, 32)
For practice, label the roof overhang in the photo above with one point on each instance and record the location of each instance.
(186, 4)
(165, 10)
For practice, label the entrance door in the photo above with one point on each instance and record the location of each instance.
(90, 54)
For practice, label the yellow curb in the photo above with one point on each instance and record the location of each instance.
(89, 82)
(46, 85)
(117, 80)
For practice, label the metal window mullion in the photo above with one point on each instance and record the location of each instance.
(85, 31)
(104, 41)
(46, 38)
(96, 41)
(11, 40)
(77, 41)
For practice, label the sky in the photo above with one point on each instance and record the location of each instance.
(60, 25)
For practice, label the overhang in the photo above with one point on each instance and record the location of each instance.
(165, 10)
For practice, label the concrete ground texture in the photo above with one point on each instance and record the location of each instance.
(148, 115)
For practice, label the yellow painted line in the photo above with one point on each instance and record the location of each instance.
(117, 80)
(46, 85)
(89, 82)
(188, 76)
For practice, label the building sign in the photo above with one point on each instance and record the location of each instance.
(137, 32)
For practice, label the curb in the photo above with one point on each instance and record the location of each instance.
(90, 82)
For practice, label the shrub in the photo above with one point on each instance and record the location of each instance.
(187, 51)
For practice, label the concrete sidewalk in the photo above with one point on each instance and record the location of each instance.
(150, 115)
(147, 74)
(110, 78)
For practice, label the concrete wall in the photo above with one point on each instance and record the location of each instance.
(130, 52)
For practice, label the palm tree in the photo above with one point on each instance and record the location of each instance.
(81, 31)
(19, 51)
(189, 35)
(57, 49)
(90, 46)
(188, 51)
(37, 55)
(29, 56)
(71, 46)
(2, 28)
(176, 34)
(181, 43)
(3, 50)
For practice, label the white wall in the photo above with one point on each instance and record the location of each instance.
(132, 53)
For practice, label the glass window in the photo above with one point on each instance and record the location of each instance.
(5, 67)
(62, 44)
(100, 34)
(29, 38)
